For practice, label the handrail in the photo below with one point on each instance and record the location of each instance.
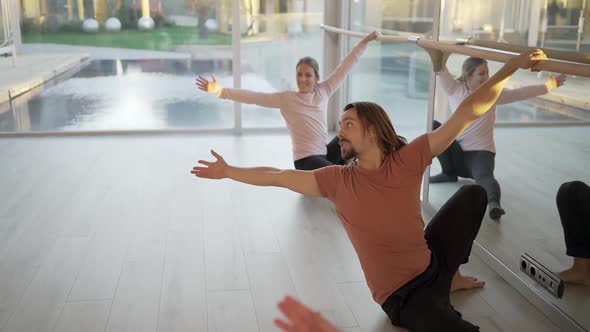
(389, 32)
(552, 54)
(407, 19)
(439, 52)
(569, 68)
(383, 38)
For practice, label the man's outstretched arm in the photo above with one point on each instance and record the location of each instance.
(303, 182)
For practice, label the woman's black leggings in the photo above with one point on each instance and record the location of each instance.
(477, 165)
(333, 157)
(573, 203)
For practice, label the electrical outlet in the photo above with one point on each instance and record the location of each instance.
(542, 275)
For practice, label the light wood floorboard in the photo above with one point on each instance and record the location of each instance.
(115, 234)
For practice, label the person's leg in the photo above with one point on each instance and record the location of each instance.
(312, 162)
(334, 152)
(573, 204)
(462, 282)
(481, 165)
(449, 235)
(450, 161)
(451, 232)
(429, 309)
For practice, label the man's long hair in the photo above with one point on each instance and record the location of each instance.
(372, 115)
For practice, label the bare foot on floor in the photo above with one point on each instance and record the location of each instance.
(465, 282)
(575, 276)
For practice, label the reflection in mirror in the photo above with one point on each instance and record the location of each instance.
(555, 24)
(539, 142)
(522, 152)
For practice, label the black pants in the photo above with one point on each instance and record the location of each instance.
(334, 157)
(573, 203)
(477, 165)
(423, 304)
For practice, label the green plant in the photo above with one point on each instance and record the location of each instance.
(123, 15)
(70, 26)
(30, 24)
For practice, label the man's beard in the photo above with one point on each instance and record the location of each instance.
(348, 154)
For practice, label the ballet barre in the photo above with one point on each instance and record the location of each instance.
(383, 38)
(440, 51)
(552, 54)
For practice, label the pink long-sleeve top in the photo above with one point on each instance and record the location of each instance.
(305, 113)
(479, 136)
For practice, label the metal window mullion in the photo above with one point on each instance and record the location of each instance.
(432, 93)
(332, 53)
(534, 20)
(345, 21)
(236, 63)
(15, 29)
(580, 25)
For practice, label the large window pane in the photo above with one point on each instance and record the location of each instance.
(501, 20)
(112, 94)
(144, 57)
(122, 23)
(552, 23)
(276, 35)
(394, 75)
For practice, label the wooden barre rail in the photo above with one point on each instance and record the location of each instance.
(440, 50)
(552, 54)
(439, 53)
(389, 32)
(383, 38)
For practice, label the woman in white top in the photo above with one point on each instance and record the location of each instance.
(305, 110)
(473, 154)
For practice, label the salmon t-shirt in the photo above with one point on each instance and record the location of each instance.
(380, 210)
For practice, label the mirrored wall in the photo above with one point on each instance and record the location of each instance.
(542, 139)
(540, 142)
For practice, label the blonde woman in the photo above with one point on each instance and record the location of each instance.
(472, 154)
(305, 110)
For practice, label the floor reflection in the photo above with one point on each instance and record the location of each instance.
(128, 95)
(161, 94)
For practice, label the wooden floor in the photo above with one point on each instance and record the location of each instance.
(531, 164)
(114, 234)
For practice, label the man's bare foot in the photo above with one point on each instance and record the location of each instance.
(465, 282)
(575, 276)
